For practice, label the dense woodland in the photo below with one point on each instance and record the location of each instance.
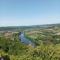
(46, 38)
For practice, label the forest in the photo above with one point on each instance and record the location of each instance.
(46, 38)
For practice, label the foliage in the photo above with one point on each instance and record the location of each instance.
(47, 45)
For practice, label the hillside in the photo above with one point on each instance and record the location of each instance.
(46, 38)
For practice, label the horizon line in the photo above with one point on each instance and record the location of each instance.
(29, 25)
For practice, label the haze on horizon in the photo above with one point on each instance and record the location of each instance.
(29, 12)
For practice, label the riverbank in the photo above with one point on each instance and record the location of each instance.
(25, 40)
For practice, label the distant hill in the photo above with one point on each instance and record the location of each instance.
(17, 28)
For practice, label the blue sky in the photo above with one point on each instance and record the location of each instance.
(29, 12)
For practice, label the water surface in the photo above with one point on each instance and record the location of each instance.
(24, 40)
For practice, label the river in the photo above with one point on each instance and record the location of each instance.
(24, 40)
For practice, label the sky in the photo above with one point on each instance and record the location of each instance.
(29, 12)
